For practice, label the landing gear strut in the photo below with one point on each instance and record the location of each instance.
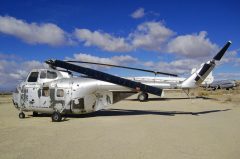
(56, 117)
(21, 115)
(142, 97)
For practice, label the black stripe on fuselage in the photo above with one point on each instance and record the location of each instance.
(204, 69)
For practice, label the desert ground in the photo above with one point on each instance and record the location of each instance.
(206, 127)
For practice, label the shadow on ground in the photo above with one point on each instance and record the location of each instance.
(169, 99)
(128, 112)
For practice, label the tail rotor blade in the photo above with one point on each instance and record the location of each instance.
(222, 51)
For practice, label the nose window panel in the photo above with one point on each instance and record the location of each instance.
(33, 77)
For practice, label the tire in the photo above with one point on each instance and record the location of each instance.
(21, 115)
(142, 97)
(146, 96)
(35, 114)
(56, 117)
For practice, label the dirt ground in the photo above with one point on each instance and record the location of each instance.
(173, 127)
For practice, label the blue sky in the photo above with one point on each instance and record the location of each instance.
(171, 36)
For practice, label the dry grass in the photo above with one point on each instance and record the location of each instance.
(5, 93)
(221, 94)
(5, 99)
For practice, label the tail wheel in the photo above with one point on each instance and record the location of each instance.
(143, 97)
(21, 115)
(56, 117)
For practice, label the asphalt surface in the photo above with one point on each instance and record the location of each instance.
(173, 127)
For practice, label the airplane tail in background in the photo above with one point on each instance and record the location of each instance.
(209, 79)
(198, 76)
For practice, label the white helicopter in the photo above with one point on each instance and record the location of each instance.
(57, 92)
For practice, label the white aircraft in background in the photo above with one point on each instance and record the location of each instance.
(171, 82)
(222, 84)
(56, 92)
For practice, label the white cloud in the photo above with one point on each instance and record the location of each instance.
(153, 36)
(114, 60)
(150, 36)
(195, 45)
(139, 13)
(228, 75)
(182, 66)
(103, 40)
(89, 58)
(33, 33)
(231, 57)
(13, 70)
(124, 59)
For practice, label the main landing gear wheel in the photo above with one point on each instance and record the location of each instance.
(142, 97)
(56, 117)
(21, 115)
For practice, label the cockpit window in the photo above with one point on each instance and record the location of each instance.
(43, 74)
(33, 77)
(51, 75)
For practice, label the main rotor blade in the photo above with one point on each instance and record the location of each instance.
(98, 75)
(131, 68)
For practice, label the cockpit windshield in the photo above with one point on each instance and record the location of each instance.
(43, 74)
(33, 77)
(51, 75)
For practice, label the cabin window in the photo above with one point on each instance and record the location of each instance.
(33, 77)
(51, 75)
(43, 74)
(45, 92)
(60, 93)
